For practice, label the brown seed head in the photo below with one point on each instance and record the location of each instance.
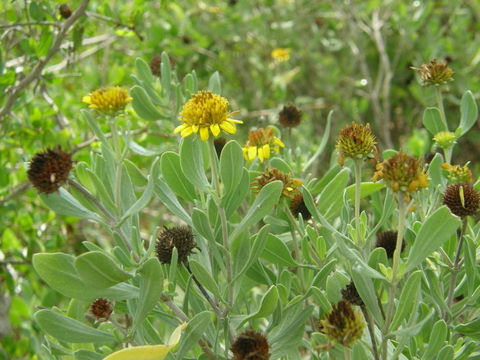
(297, 206)
(388, 241)
(434, 73)
(155, 64)
(180, 237)
(49, 170)
(355, 141)
(101, 309)
(290, 116)
(290, 186)
(65, 11)
(343, 325)
(402, 172)
(350, 294)
(461, 199)
(250, 345)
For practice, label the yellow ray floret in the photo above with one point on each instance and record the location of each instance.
(108, 100)
(206, 113)
(261, 142)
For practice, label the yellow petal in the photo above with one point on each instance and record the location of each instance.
(87, 99)
(252, 153)
(204, 133)
(195, 128)
(179, 128)
(187, 131)
(266, 151)
(215, 129)
(228, 127)
(235, 121)
(260, 154)
(278, 142)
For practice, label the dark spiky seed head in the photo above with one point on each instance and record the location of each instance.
(461, 199)
(155, 64)
(290, 116)
(350, 294)
(65, 11)
(101, 309)
(388, 241)
(297, 206)
(250, 345)
(49, 170)
(219, 144)
(179, 237)
(343, 324)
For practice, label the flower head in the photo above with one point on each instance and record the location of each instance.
(297, 206)
(343, 325)
(388, 241)
(355, 141)
(260, 143)
(281, 54)
(206, 113)
(250, 345)
(101, 309)
(179, 237)
(49, 170)
(457, 173)
(290, 116)
(108, 100)
(155, 63)
(461, 199)
(350, 294)
(445, 139)
(434, 73)
(65, 11)
(402, 172)
(290, 186)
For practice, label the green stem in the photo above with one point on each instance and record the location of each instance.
(358, 193)
(371, 331)
(448, 154)
(347, 353)
(456, 265)
(296, 248)
(118, 163)
(439, 98)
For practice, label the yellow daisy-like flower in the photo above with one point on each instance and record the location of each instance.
(281, 54)
(457, 173)
(260, 143)
(206, 113)
(109, 100)
(290, 186)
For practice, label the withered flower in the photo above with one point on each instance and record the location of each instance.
(65, 11)
(180, 237)
(297, 206)
(355, 141)
(461, 199)
(290, 186)
(457, 173)
(250, 345)
(388, 241)
(290, 116)
(434, 73)
(101, 309)
(155, 64)
(350, 294)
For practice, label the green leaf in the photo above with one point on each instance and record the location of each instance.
(266, 308)
(231, 166)
(137, 177)
(433, 121)
(87, 355)
(435, 170)
(266, 199)
(69, 330)
(436, 229)
(46, 41)
(468, 112)
(65, 204)
(143, 71)
(99, 271)
(277, 252)
(150, 289)
(471, 329)
(257, 248)
(330, 200)
(201, 224)
(367, 188)
(408, 299)
(174, 177)
(234, 199)
(214, 83)
(204, 277)
(168, 198)
(336, 281)
(446, 353)
(165, 74)
(191, 161)
(195, 329)
(143, 106)
(437, 339)
(323, 143)
(366, 290)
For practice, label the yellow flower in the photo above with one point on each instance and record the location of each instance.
(281, 54)
(260, 143)
(108, 100)
(457, 173)
(355, 141)
(434, 73)
(206, 112)
(445, 139)
(290, 186)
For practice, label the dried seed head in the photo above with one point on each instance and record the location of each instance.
(155, 64)
(65, 11)
(402, 172)
(180, 237)
(343, 325)
(355, 141)
(297, 206)
(219, 144)
(290, 116)
(49, 170)
(101, 309)
(445, 139)
(290, 186)
(388, 241)
(250, 345)
(457, 173)
(461, 199)
(350, 294)
(434, 73)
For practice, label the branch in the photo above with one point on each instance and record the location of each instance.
(37, 70)
(17, 190)
(42, 23)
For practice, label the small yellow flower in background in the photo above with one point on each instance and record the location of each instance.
(434, 73)
(402, 173)
(109, 100)
(445, 139)
(457, 173)
(281, 54)
(260, 143)
(206, 113)
(290, 186)
(355, 141)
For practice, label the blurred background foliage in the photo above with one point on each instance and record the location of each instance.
(350, 56)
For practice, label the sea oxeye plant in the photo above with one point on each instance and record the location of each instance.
(252, 254)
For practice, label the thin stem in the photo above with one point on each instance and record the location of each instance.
(204, 292)
(456, 265)
(358, 193)
(112, 220)
(439, 98)
(347, 353)
(119, 165)
(296, 248)
(448, 154)
(371, 331)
